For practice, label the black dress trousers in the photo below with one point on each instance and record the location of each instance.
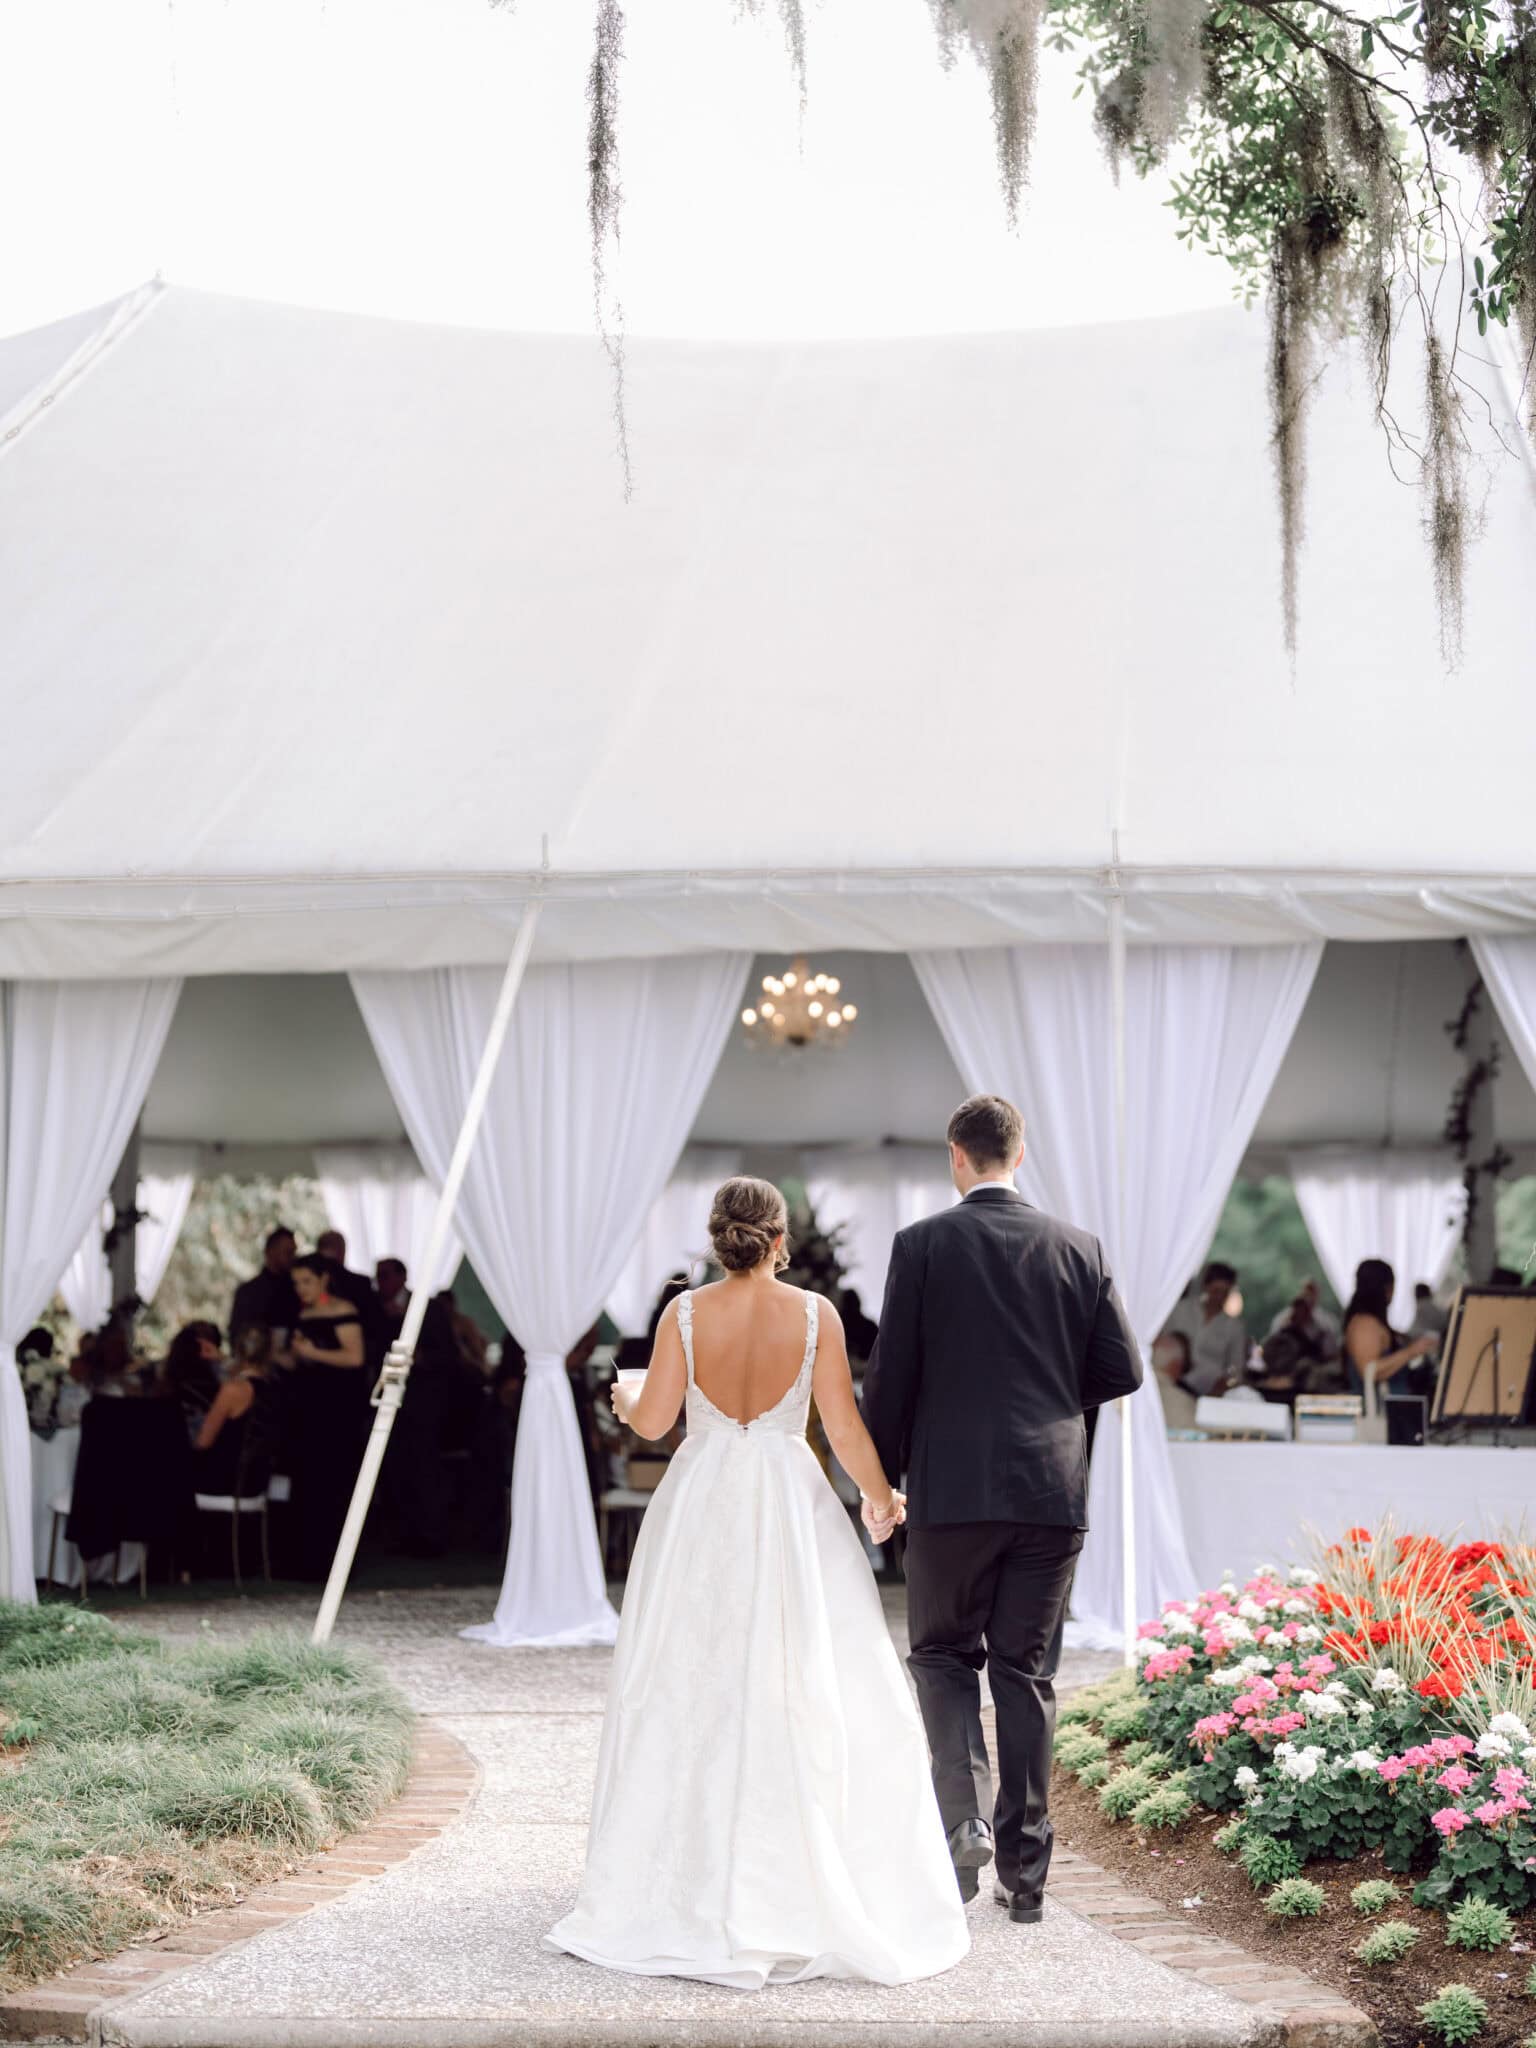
(993, 1595)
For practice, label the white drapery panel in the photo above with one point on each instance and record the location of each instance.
(1404, 1207)
(1206, 1028)
(1508, 965)
(675, 1234)
(166, 1177)
(602, 1075)
(76, 1061)
(871, 1192)
(383, 1204)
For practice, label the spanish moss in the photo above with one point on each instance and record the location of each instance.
(1446, 516)
(1005, 36)
(605, 200)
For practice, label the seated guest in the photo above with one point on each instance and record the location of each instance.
(1429, 1318)
(1301, 1352)
(1369, 1339)
(229, 1430)
(1170, 1362)
(193, 1371)
(1218, 1343)
(1310, 1322)
(331, 1411)
(268, 1296)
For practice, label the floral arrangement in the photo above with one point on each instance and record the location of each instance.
(42, 1379)
(1384, 1701)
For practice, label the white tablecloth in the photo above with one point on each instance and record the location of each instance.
(53, 1477)
(1247, 1504)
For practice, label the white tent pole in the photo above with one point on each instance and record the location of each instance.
(390, 1391)
(1127, 1473)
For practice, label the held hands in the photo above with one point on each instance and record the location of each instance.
(890, 1515)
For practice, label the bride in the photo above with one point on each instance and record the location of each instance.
(763, 1810)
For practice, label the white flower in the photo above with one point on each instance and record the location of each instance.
(1511, 1726)
(1337, 1687)
(1251, 1666)
(1364, 1711)
(1494, 1745)
(1178, 1625)
(1245, 1776)
(1321, 1706)
(1528, 1757)
(1364, 1761)
(1303, 1575)
(1231, 1675)
(1295, 1607)
(1250, 1610)
(1387, 1680)
(1300, 1764)
(1234, 1628)
(1308, 1634)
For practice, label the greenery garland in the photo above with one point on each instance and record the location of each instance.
(1355, 164)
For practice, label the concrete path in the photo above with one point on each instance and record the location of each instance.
(444, 1950)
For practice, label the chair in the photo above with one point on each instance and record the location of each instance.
(236, 1505)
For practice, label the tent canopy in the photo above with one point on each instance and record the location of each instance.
(268, 1066)
(318, 629)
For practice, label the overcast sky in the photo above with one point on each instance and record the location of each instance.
(426, 158)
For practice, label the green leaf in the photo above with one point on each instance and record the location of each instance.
(1477, 268)
(1367, 42)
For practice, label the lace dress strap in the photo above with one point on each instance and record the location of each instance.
(812, 1327)
(685, 1327)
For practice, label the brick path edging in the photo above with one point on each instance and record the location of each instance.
(443, 1778)
(1304, 2013)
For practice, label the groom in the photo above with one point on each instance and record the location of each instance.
(1000, 1329)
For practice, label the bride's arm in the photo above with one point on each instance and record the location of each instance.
(652, 1412)
(832, 1384)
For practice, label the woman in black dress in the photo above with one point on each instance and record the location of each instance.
(332, 1406)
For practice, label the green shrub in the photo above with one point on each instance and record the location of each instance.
(1077, 1712)
(256, 1797)
(1374, 1895)
(1230, 1838)
(1079, 1746)
(1125, 1791)
(1138, 1752)
(1168, 1806)
(1388, 1943)
(1298, 1898)
(1124, 1720)
(1455, 2014)
(1267, 1860)
(1093, 1774)
(1477, 1924)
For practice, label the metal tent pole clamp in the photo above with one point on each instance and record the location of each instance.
(390, 1390)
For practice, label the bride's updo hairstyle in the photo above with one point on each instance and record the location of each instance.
(744, 1219)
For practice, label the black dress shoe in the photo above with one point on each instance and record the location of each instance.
(1023, 1907)
(970, 1847)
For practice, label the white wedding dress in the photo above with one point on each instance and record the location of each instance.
(764, 1811)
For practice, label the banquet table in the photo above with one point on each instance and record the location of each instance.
(53, 1477)
(1246, 1504)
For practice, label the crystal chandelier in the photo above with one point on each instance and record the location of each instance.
(798, 1008)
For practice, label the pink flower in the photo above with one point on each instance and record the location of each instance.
(1393, 1769)
(1491, 1812)
(1287, 1724)
(1419, 1758)
(1149, 1628)
(1167, 1663)
(1457, 1779)
(1214, 1728)
(1509, 1782)
(1450, 1820)
(1291, 1631)
(1215, 1646)
(1320, 1667)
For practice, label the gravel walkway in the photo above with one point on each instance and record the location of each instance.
(443, 1951)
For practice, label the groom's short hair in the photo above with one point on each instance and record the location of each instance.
(988, 1130)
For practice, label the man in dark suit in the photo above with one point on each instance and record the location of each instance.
(267, 1298)
(1001, 1330)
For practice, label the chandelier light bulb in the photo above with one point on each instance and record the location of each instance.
(850, 1011)
(791, 978)
(796, 1010)
(834, 1020)
(831, 984)
(749, 1017)
(814, 1010)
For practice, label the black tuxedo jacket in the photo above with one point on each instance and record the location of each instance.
(1000, 1329)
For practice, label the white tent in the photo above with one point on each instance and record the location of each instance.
(330, 643)
(319, 631)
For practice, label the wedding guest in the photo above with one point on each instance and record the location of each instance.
(576, 1365)
(268, 1296)
(192, 1373)
(1218, 1343)
(1316, 1330)
(331, 1410)
(1170, 1361)
(1369, 1339)
(348, 1286)
(228, 1429)
(1429, 1318)
(859, 1329)
(394, 1297)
